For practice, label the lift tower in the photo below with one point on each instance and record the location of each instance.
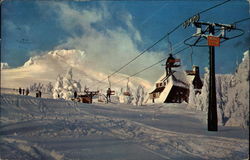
(207, 30)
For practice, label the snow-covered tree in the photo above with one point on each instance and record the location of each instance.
(192, 97)
(232, 95)
(49, 87)
(139, 96)
(66, 86)
(143, 94)
(128, 99)
(37, 86)
(57, 90)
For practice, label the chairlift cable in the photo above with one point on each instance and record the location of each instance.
(174, 54)
(242, 20)
(162, 38)
(151, 65)
(191, 55)
(169, 44)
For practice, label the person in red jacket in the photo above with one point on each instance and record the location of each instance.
(169, 63)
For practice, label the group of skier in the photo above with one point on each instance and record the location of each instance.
(23, 91)
(26, 92)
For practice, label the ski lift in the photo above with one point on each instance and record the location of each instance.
(177, 63)
(127, 93)
(109, 82)
(191, 55)
(169, 45)
(112, 91)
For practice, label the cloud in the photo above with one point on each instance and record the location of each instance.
(4, 65)
(12, 27)
(128, 20)
(107, 46)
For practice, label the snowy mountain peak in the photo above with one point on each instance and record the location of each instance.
(30, 62)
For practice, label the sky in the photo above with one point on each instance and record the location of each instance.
(113, 32)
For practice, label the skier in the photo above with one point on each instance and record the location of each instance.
(39, 93)
(27, 92)
(20, 90)
(108, 95)
(75, 94)
(169, 63)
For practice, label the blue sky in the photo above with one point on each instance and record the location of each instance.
(115, 29)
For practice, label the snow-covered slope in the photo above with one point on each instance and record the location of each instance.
(47, 67)
(36, 128)
(232, 96)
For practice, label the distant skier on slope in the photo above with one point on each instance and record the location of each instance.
(108, 95)
(169, 63)
(40, 93)
(75, 94)
(20, 90)
(27, 91)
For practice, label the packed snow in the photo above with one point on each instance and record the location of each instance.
(37, 128)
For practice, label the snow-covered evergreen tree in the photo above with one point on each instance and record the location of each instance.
(66, 86)
(192, 97)
(57, 90)
(37, 86)
(139, 96)
(143, 94)
(49, 87)
(232, 95)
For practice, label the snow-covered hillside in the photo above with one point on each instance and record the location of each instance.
(47, 67)
(232, 96)
(36, 128)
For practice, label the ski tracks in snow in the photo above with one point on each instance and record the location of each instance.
(60, 118)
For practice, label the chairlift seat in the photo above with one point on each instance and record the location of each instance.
(174, 60)
(112, 93)
(126, 94)
(100, 100)
(177, 62)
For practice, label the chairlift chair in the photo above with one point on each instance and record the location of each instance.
(127, 93)
(177, 63)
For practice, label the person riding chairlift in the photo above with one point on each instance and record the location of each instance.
(169, 63)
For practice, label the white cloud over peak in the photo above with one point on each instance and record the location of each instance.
(4, 65)
(108, 44)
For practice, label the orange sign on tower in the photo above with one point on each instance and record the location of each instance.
(213, 41)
